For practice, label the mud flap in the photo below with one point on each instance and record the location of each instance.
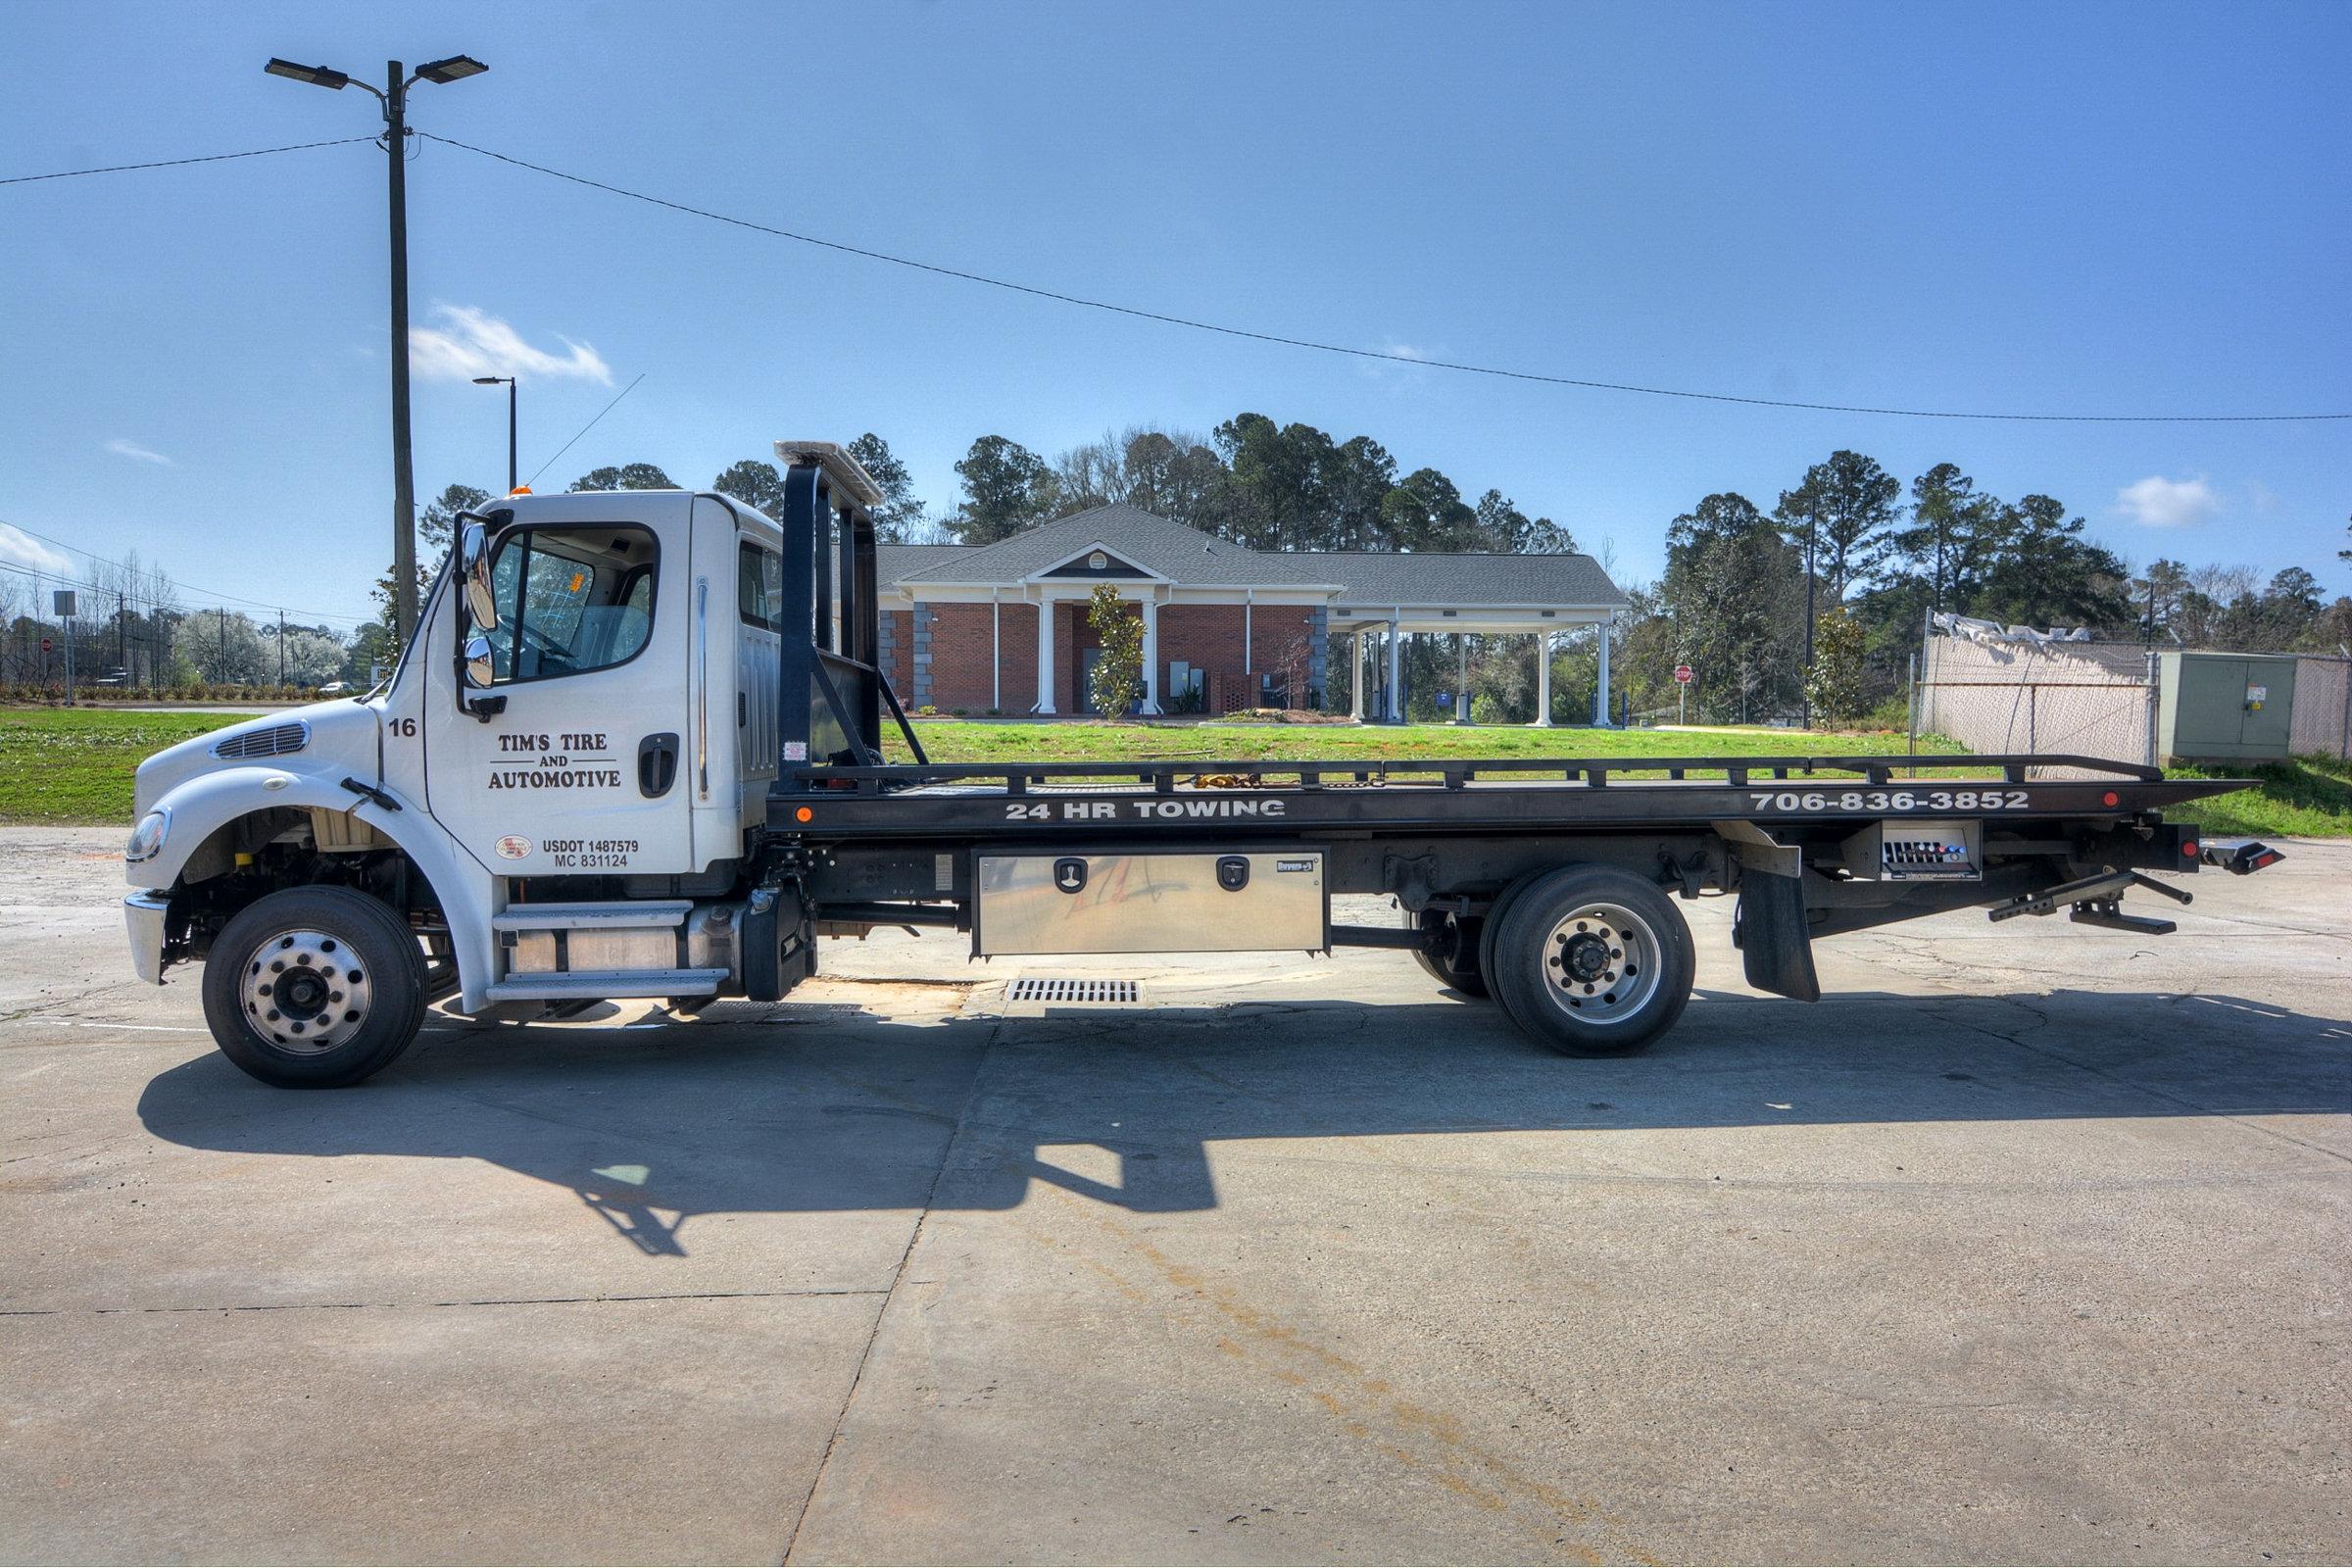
(1775, 944)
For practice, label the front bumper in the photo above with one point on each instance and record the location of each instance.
(143, 913)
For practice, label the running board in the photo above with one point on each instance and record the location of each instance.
(610, 985)
(592, 917)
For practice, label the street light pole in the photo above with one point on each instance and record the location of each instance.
(395, 102)
(509, 382)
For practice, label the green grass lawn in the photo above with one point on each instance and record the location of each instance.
(75, 764)
(2308, 798)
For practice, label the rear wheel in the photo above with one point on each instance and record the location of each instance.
(1451, 958)
(1591, 962)
(315, 988)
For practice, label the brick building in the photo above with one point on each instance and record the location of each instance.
(1004, 628)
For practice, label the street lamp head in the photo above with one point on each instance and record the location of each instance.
(456, 68)
(492, 381)
(316, 75)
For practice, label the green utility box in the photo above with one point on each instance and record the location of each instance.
(2225, 707)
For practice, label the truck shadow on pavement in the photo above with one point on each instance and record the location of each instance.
(828, 1106)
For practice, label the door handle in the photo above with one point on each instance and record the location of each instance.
(656, 765)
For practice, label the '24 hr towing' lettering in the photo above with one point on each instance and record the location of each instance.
(1111, 810)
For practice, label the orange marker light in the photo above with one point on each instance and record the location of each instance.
(520, 490)
(577, 578)
(803, 815)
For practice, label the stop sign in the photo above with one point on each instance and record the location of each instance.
(47, 645)
(1682, 673)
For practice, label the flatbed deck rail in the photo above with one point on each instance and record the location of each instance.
(1165, 773)
(1461, 793)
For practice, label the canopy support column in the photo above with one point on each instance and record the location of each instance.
(1045, 654)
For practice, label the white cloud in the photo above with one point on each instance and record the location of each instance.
(20, 549)
(123, 448)
(469, 343)
(2160, 503)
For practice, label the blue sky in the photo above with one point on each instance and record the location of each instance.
(2093, 209)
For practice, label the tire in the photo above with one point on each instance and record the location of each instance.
(1455, 962)
(315, 988)
(1591, 962)
(1492, 923)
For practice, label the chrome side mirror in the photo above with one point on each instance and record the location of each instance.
(474, 574)
(479, 673)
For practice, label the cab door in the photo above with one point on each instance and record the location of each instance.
(583, 771)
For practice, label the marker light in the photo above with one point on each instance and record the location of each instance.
(803, 815)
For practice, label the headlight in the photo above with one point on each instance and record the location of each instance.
(147, 839)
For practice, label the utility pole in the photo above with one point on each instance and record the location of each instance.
(123, 634)
(404, 479)
(1812, 542)
(395, 101)
(281, 648)
(223, 678)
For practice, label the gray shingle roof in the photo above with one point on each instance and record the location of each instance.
(1185, 555)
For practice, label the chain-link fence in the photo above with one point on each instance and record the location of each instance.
(2089, 699)
(2093, 698)
(2322, 725)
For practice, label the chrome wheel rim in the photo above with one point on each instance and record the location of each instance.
(306, 991)
(1603, 964)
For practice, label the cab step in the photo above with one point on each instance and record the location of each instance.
(627, 916)
(609, 985)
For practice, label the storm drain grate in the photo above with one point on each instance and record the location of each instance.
(1061, 988)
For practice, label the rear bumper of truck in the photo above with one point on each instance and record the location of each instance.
(143, 914)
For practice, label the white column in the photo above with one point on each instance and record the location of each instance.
(1151, 652)
(1600, 696)
(1543, 680)
(1355, 675)
(1045, 656)
(1461, 677)
(996, 653)
(1396, 701)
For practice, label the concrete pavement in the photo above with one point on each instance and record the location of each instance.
(2027, 1244)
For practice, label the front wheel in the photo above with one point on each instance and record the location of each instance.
(1591, 962)
(315, 988)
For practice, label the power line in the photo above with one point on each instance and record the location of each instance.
(191, 589)
(585, 428)
(181, 162)
(1359, 353)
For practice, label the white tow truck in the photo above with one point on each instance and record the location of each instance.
(635, 750)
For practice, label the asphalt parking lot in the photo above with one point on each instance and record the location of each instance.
(2031, 1243)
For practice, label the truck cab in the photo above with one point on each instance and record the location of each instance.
(553, 801)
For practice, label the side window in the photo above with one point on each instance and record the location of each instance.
(570, 599)
(758, 585)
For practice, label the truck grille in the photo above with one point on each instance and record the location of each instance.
(1061, 988)
(275, 741)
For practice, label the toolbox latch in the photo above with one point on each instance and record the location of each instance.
(1232, 872)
